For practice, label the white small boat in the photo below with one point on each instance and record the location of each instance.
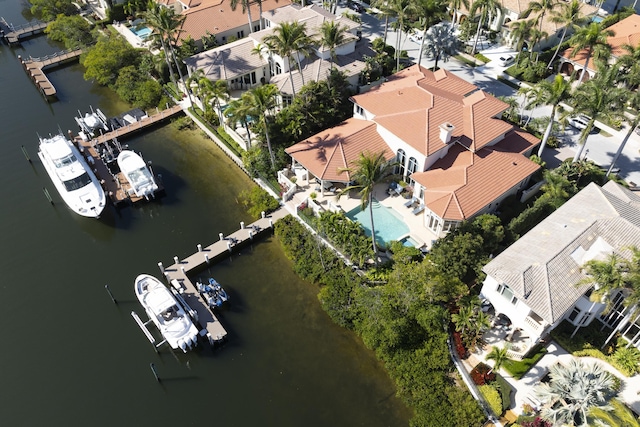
(92, 124)
(166, 313)
(137, 173)
(72, 176)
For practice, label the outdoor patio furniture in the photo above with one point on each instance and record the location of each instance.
(410, 202)
(419, 209)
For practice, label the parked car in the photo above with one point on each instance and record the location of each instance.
(505, 60)
(579, 122)
(416, 37)
(357, 7)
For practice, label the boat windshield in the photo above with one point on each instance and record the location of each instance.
(65, 161)
(77, 182)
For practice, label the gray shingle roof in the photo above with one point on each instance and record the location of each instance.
(539, 267)
(228, 61)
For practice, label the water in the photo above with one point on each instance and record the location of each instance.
(72, 357)
(389, 225)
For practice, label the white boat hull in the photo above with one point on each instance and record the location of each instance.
(71, 175)
(135, 170)
(166, 313)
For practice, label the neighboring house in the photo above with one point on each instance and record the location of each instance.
(243, 68)
(452, 148)
(625, 32)
(534, 282)
(203, 17)
(513, 11)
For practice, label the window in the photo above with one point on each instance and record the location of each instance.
(574, 314)
(240, 34)
(359, 110)
(400, 159)
(413, 166)
(249, 79)
(256, 28)
(507, 293)
(278, 68)
(286, 100)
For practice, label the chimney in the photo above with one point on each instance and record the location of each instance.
(446, 129)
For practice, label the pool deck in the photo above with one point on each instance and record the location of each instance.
(133, 40)
(346, 203)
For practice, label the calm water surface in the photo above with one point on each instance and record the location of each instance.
(71, 357)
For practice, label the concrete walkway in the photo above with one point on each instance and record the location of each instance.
(524, 387)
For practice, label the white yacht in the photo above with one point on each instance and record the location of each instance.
(137, 173)
(166, 313)
(72, 177)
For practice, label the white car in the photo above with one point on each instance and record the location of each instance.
(579, 122)
(416, 37)
(505, 60)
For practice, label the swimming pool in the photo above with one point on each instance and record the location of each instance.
(597, 19)
(388, 223)
(409, 242)
(141, 31)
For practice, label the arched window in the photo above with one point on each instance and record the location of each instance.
(400, 159)
(412, 167)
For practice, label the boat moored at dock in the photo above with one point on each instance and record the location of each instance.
(167, 312)
(72, 176)
(137, 173)
(92, 124)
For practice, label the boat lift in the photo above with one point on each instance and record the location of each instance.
(145, 330)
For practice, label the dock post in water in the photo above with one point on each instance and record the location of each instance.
(161, 267)
(47, 195)
(26, 155)
(242, 225)
(110, 294)
(206, 258)
(153, 369)
(176, 260)
(221, 236)
(199, 247)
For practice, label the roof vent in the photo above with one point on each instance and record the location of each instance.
(446, 129)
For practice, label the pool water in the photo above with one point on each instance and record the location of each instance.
(597, 19)
(409, 242)
(142, 32)
(388, 223)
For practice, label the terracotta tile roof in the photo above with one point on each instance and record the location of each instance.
(626, 31)
(413, 104)
(227, 61)
(327, 152)
(216, 17)
(462, 183)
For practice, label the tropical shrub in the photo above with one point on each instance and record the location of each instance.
(460, 348)
(482, 374)
(627, 358)
(257, 200)
(492, 396)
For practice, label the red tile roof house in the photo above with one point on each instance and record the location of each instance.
(625, 32)
(458, 156)
(243, 69)
(216, 17)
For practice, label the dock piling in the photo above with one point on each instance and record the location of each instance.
(251, 234)
(182, 269)
(263, 214)
(221, 236)
(26, 155)
(206, 258)
(242, 225)
(199, 247)
(161, 267)
(106, 287)
(47, 195)
(153, 369)
(176, 260)
(229, 245)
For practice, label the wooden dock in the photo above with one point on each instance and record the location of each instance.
(34, 67)
(179, 271)
(12, 34)
(139, 125)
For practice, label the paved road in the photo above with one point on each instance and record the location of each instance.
(600, 147)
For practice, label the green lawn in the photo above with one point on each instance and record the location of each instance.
(517, 368)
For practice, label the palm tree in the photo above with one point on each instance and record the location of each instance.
(593, 37)
(366, 172)
(455, 6)
(237, 112)
(629, 65)
(600, 100)
(387, 12)
(259, 103)
(499, 356)
(402, 10)
(606, 276)
(429, 12)
(332, 35)
(633, 121)
(574, 389)
(246, 8)
(441, 43)
(209, 92)
(487, 9)
(557, 188)
(289, 38)
(551, 93)
(521, 31)
(542, 7)
(463, 319)
(568, 14)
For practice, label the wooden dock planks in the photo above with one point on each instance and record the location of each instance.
(34, 67)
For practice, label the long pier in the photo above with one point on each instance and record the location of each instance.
(138, 125)
(34, 67)
(178, 273)
(12, 33)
